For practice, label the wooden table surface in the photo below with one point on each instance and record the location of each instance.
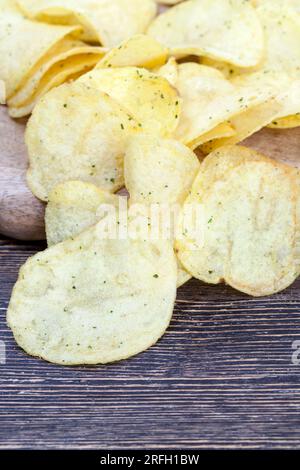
(222, 377)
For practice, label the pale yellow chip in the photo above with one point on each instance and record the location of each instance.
(221, 131)
(288, 122)
(73, 207)
(227, 30)
(209, 99)
(159, 170)
(140, 51)
(228, 70)
(148, 97)
(2, 92)
(63, 58)
(92, 300)
(250, 228)
(73, 68)
(281, 23)
(169, 71)
(245, 124)
(23, 44)
(108, 22)
(183, 276)
(77, 133)
(277, 95)
(285, 89)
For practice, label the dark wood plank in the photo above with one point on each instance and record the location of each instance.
(221, 377)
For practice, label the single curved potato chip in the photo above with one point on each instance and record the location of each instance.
(281, 25)
(148, 97)
(23, 44)
(63, 57)
(250, 229)
(227, 30)
(283, 88)
(108, 22)
(73, 207)
(138, 51)
(2, 92)
(245, 124)
(92, 300)
(206, 89)
(159, 170)
(77, 133)
(288, 122)
(277, 96)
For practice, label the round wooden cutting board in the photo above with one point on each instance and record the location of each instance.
(22, 215)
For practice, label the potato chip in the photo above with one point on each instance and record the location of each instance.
(224, 130)
(278, 96)
(245, 124)
(286, 93)
(77, 133)
(73, 68)
(220, 100)
(148, 97)
(159, 170)
(169, 71)
(250, 232)
(281, 25)
(183, 276)
(288, 122)
(227, 30)
(140, 51)
(23, 43)
(228, 70)
(2, 92)
(92, 300)
(108, 22)
(73, 207)
(62, 57)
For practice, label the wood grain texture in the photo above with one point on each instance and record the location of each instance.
(222, 377)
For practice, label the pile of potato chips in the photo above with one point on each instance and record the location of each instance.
(126, 94)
